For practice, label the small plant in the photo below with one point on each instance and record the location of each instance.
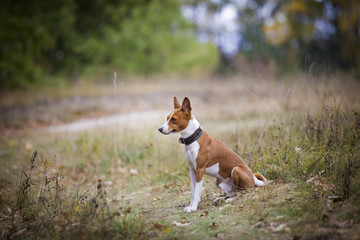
(327, 145)
(26, 182)
(130, 227)
(60, 210)
(334, 139)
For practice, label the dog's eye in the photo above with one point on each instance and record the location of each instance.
(172, 119)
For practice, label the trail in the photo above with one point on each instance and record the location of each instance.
(144, 119)
(128, 120)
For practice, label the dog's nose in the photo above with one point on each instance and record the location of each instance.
(160, 129)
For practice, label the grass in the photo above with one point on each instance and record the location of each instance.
(134, 183)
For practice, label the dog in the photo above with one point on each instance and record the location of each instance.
(207, 155)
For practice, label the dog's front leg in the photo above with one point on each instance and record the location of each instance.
(197, 191)
(193, 182)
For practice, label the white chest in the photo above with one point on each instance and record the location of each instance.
(191, 152)
(213, 171)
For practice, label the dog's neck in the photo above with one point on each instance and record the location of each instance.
(191, 128)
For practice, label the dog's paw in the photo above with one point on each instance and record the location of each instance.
(229, 200)
(219, 199)
(190, 209)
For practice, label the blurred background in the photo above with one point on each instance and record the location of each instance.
(85, 85)
(47, 42)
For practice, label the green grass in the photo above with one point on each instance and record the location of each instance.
(135, 184)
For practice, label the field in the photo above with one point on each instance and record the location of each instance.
(87, 161)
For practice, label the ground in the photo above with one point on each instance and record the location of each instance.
(103, 170)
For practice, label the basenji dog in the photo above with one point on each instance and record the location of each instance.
(207, 155)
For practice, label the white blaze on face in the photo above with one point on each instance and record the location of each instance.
(165, 127)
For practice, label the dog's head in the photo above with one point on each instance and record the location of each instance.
(178, 119)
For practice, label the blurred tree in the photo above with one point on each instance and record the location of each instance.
(323, 34)
(153, 38)
(38, 38)
(31, 32)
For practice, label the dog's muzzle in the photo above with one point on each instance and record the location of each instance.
(162, 131)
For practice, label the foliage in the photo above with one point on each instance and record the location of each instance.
(318, 36)
(334, 138)
(40, 38)
(321, 32)
(326, 146)
(152, 39)
(313, 32)
(63, 210)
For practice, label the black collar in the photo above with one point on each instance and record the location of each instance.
(192, 138)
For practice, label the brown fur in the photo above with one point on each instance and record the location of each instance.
(213, 151)
(180, 117)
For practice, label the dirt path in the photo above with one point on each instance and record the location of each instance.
(132, 105)
(90, 106)
(134, 119)
(128, 120)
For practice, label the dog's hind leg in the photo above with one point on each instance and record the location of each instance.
(242, 178)
(217, 183)
(227, 187)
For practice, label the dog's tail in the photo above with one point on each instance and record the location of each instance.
(260, 180)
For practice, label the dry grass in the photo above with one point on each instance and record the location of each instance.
(215, 100)
(133, 183)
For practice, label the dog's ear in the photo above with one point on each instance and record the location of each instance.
(186, 107)
(176, 103)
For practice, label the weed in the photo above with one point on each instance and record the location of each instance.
(95, 188)
(334, 138)
(25, 182)
(130, 227)
(54, 211)
(326, 146)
